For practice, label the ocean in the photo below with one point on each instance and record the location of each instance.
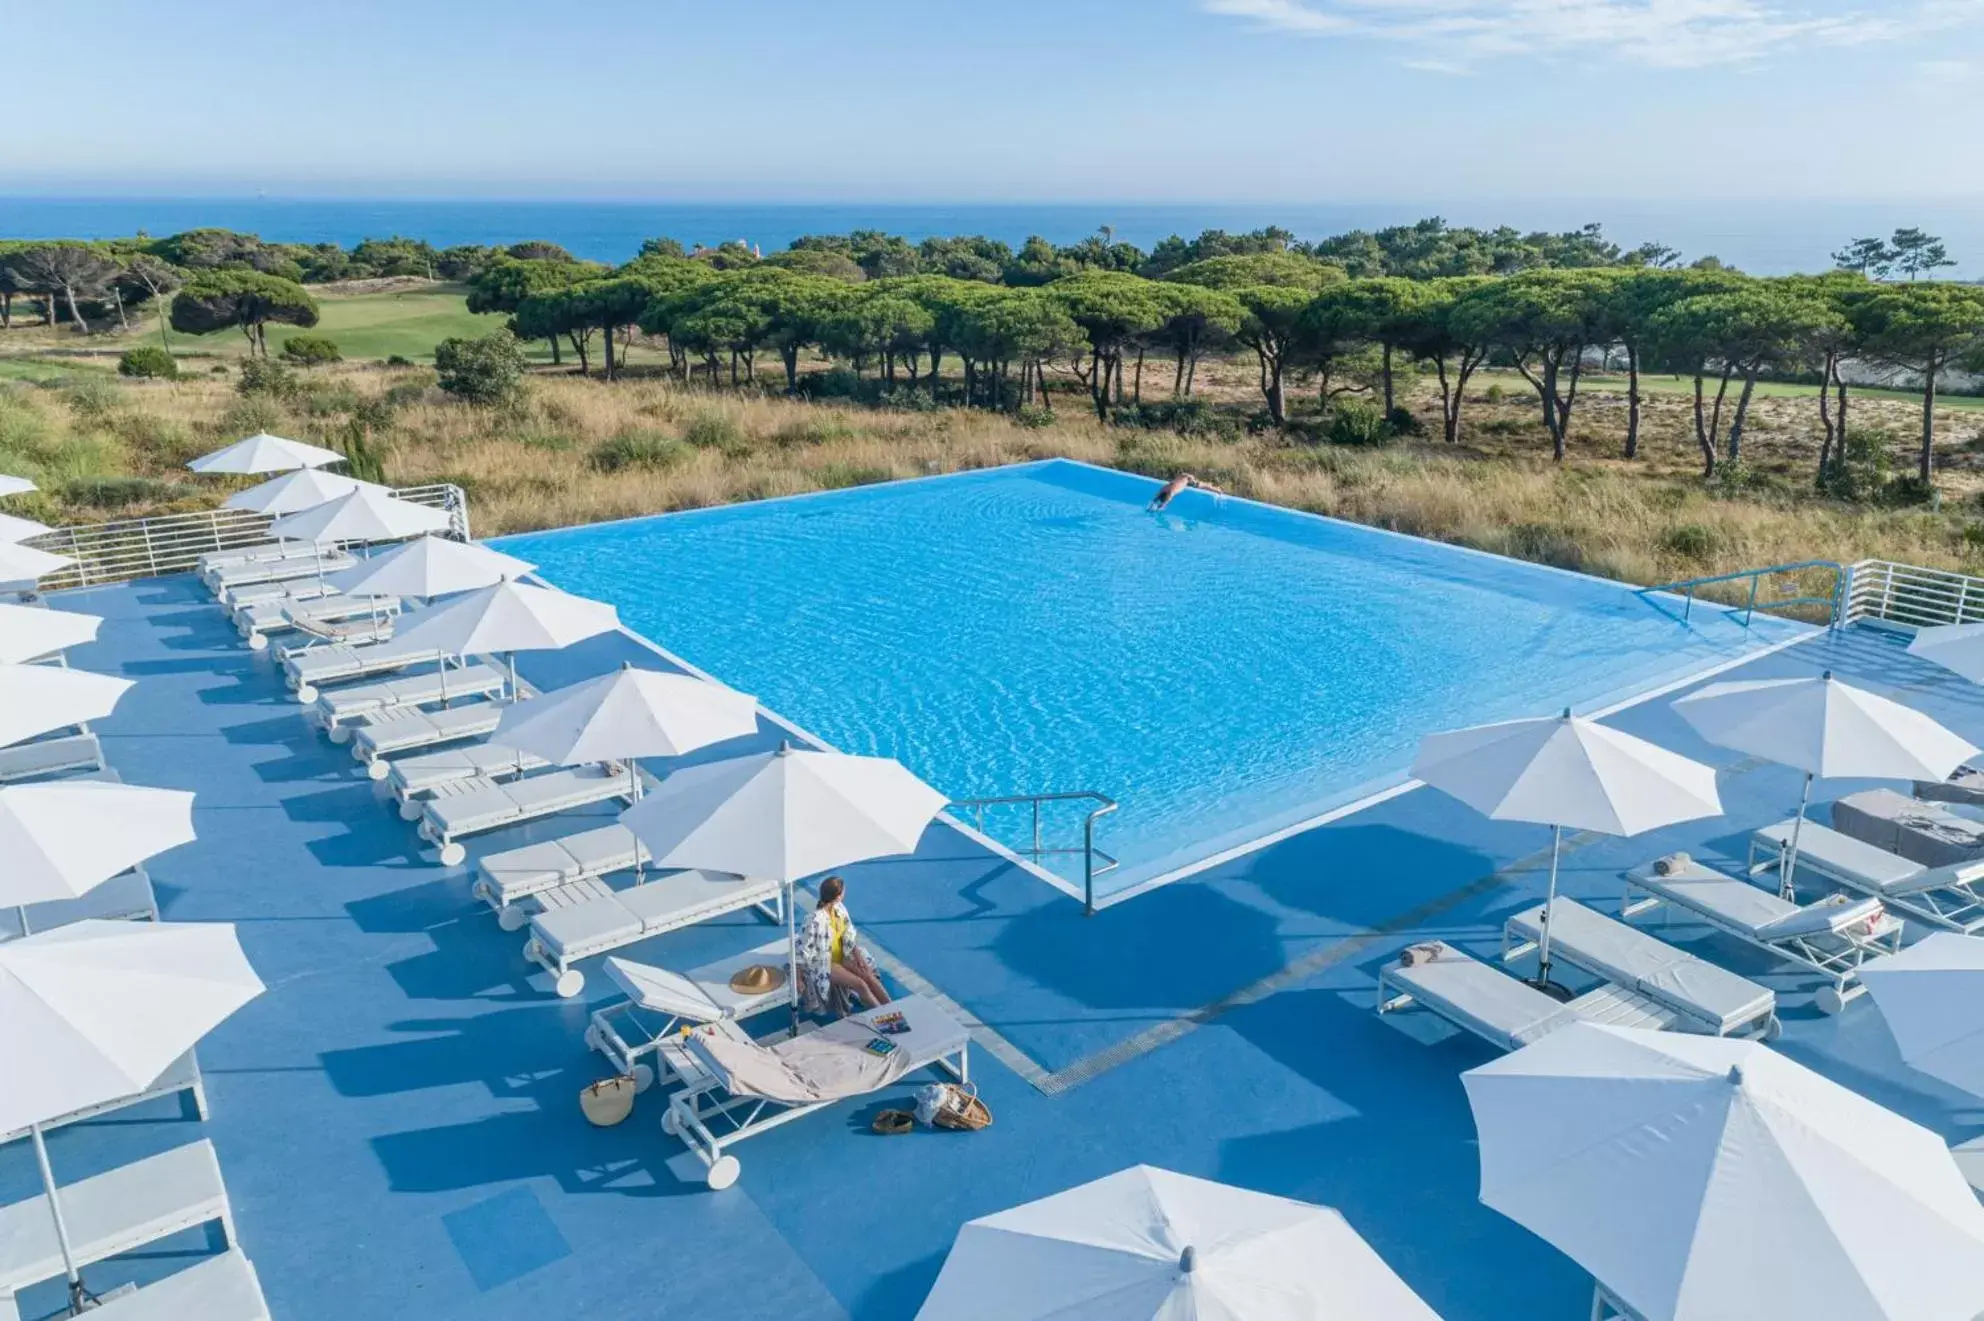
(1762, 237)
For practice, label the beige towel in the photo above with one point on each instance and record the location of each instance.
(826, 1065)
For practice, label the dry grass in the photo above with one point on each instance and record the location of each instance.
(582, 451)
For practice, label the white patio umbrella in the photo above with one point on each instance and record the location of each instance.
(10, 485)
(29, 631)
(431, 566)
(263, 453)
(303, 488)
(1146, 1244)
(783, 815)
(1932, 996)
(37, 698)
(14, 529)
(1824, 728)
(1702, 1178)
(20, 563)
(95, 1011)
(1566, 772)
(626, 714)
(64, 838)
(366, 513)
(1957, 647)
(508, 618)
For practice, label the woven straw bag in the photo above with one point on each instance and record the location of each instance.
(608, 1101)
(962, 1110)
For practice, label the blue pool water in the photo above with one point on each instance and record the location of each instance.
(1225, 669)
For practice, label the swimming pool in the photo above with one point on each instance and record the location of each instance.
(1225, 670)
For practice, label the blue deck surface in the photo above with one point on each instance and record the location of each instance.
(397, 1118)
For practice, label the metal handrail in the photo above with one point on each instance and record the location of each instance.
(131, 548)
(1834, 602)
(1091, 855)
(1888, 592)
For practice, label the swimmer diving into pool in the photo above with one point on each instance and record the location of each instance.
(1171, 490)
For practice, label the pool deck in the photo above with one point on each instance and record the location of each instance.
(397, 1118)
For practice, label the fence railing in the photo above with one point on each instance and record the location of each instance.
(173, 543)
(1094, 861)
(1742, 594)
(1885, 592)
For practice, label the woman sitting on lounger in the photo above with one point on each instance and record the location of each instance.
(834, 971)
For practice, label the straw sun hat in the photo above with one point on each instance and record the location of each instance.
(757, 979)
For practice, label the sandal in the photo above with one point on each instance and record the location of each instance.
(893, 1122)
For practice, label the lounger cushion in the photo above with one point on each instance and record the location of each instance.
(127, 895)
(834, 1062)
(667, 903)
(342, 704)
(494, 806)
(111, 1213)
(1829, 853)
(221, 1288)
(50, 756)
(343, 660)
(518, 873)
(412, 775)
(1921, 832)
(702, 995)
(1626, 956)
(1834, 915)
(420, 729)
(1487, 1002)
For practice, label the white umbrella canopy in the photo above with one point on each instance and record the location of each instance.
(1146, 1244)
(28, 631)
(303, 488)
(431, 566)
(35, 699)
(1708, 1179)
(1932, 996)
(11, 485)
(263, 453)
(19, 563)
(95, 1011)
(1824, 728)
(14, 529)
(626, 714)
(367, 513)
(65, 837)
(1567, 773)
(509, 617)
(1957, 647)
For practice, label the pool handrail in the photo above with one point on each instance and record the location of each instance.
(1091, 855)
(1834, 602)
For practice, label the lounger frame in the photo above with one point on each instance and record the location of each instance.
(1956, 906)
(631, 1035)
(621, 782)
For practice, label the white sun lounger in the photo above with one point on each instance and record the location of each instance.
(350, 632)
(410, 731)
(560, 937)
(569, 863)
(1928, 833)
(1949, 898)
(182, 1075)
(1832, 937)
(112, 1213)
(454, 770)
(218, 1288)
(260, 550)
(1503, 1011)
(659, 1003)
(293, 589)
(232, 577)
(338, 709)
(713, 1111)
(307, 671)
(446, 819)
(125, 897)
(51, 756)
(1708, 999)
(258, 620)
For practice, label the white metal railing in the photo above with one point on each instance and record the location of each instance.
(1884, 592)
(1094, 861)
(173, 543)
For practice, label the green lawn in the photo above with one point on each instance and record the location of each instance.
(40, 370)
(404, 322)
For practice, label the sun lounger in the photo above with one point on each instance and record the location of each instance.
(338, 709)
(1950, 898)
(218, 1288)
(411, 731)
(294, 589)
(1921, 832)
(260, 550)
(1708, 999)
(560, 937)
(115, 1212)
(306, 672)
(257, 620)
(454, 770)
(182, 1075)
(125, 897)
(1503, 1011)
(504, 880)
(659, 1003)
(734, 1088)
(232, 577)
(1832, 937)
(445, 820)
(51, 756)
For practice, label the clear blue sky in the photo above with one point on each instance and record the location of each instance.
(1255, 100)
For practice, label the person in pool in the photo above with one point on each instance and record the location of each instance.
(1171, 489)
(834, 971)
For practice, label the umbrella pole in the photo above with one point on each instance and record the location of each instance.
(1549, 899)
(792, 952)
(1787, 861)
(77, 1294)
(22, 914)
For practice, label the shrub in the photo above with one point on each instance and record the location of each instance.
(401, 393)
(245, 417)
(92, 397)
(835, 476)
(715, 431)
(263, 376)
(487, 370)
(1495, 394)
(1187, 417)
(311, 350)
(1404, 422)
(324, 400)
(808, 431)
(1355, 422)
(836, 382)
(360, 459)
(148, 361)
(120, 492)
(1863, 467)
(398, 360)
(1034, 417)
(639, 449)
(1691, 541)
(1909, 489)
